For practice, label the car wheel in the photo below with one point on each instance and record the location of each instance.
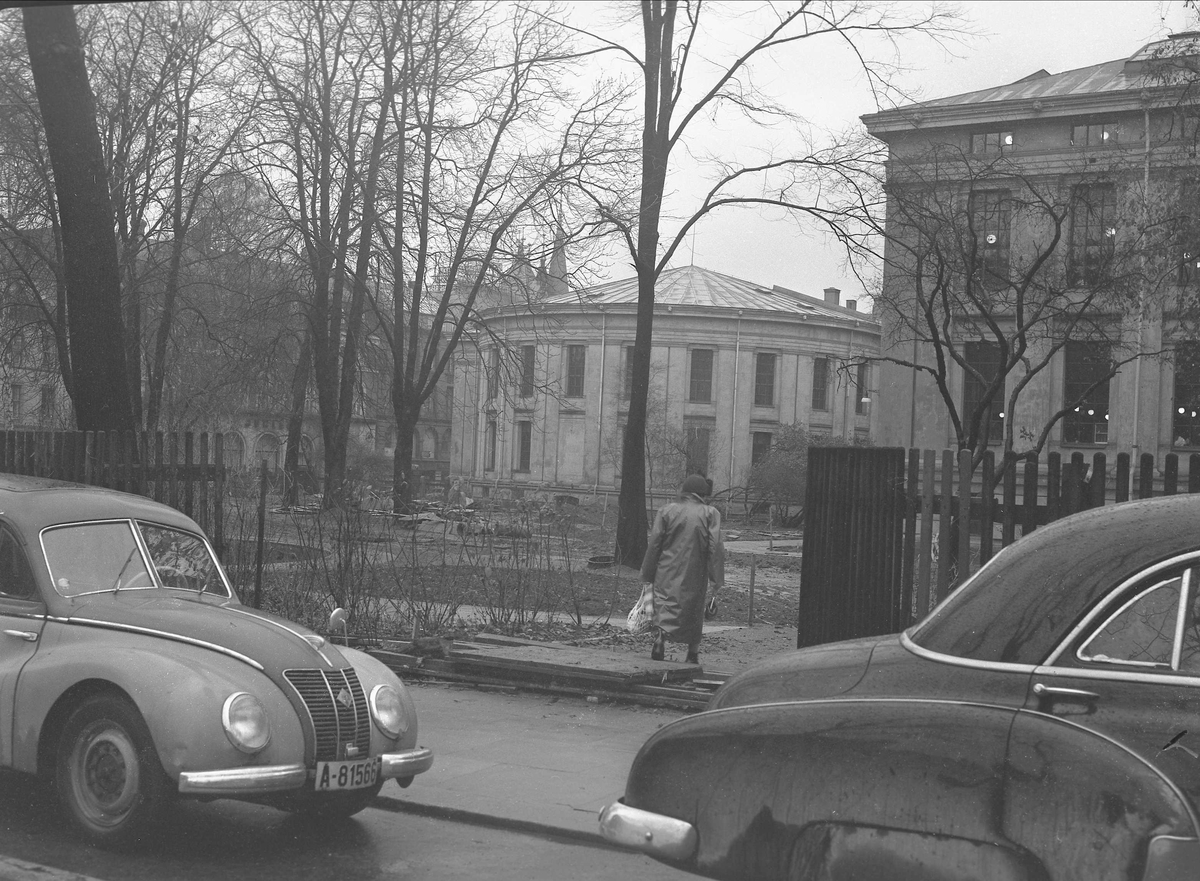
(338, 804)
(107, 772)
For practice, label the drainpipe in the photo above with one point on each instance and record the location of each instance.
(1137, 364)
(737, 350)
(600, 414)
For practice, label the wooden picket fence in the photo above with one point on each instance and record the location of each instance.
(883, 526)
(184, 470)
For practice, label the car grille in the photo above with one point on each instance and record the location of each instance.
(336, 725)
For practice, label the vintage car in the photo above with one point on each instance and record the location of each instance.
(1043, 722)
(131, 674)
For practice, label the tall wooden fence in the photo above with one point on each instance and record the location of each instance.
(183, 470)
(855, 574)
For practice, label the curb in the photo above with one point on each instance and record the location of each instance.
(21, 870)
(477, 818)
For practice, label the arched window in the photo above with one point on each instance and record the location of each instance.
(233, 450)
(266, 449)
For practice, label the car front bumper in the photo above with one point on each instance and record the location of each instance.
(657, 835)
(261, 779)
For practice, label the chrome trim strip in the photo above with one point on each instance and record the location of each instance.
(163, 634)
(1185, 593)
(26, 616)
(300, 636)
(407, 763)
(1120, 675)
(1099, 608)
(243, 781)
(654, 834)
(930, 655)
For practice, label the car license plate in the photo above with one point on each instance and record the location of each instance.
(348, 775)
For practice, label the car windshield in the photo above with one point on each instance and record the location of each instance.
(105, 556)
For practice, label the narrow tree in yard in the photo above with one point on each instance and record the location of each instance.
(819, 183)
(488, 143)
(99, 376)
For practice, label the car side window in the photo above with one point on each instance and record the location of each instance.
(1142, 632)
(16, 578)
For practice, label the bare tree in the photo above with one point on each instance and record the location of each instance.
(820, 184)
(993, 270)
(99, 384)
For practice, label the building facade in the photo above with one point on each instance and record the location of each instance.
(1083, 186)
(544, 402)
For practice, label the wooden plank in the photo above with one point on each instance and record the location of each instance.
(1194, 473)
(965, 470)
(925, 567)
(1145, 476)
(987, 526)
(912, 505)
(1029, 496)
(947, 494)
(1171, 475)
(1097, 491)
(1122, 489)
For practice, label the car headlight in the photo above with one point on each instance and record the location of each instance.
(245, 722)
(388, 711)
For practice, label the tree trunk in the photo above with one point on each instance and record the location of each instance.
(68, 108)
(406, 426)
(291, 456)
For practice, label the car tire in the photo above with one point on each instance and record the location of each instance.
(110, 782)
(335, 805)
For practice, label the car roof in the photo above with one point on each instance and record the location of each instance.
(1025, 600)
(34, 503)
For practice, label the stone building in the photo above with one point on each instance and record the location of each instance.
(545, 404)
(1111, 149)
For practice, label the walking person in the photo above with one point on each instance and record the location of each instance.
(685, 553)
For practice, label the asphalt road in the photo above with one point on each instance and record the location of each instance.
(225, 841)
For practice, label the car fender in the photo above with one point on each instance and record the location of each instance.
(837, 788)
(372, 672)
(179, 689)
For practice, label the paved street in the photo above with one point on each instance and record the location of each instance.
(531, 771)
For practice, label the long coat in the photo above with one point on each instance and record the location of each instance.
(684, 554)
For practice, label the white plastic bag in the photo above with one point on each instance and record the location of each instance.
(639, 617)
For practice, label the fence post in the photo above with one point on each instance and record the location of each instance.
(986, 500)
(262, 529)
(1053, 487)
(218, 524)
(1122, 494)
(965, 471)
(1008, 529)
(750, 614)
(1146, 476)
(1099, 487)
(1029, 496)
(1194, 473)
(947, 499)
(925, 569)
(1171, 475)
(912, 505)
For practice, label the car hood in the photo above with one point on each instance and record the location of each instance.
(259, 637)
(805, 674)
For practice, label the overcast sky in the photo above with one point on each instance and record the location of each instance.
(1013, 40)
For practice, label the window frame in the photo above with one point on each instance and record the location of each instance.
(693, 430)
(758, 455)
(992, 142)
(1093, 233)
(823, 371)
(576, 373)
(970, 401)
(1089, 134)
(1071, 424)
(764, 386)
(989, 213)
(698, 383)
(528, 370)
(524, 446)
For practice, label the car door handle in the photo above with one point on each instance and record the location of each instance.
(1058, 691)
(27, 635)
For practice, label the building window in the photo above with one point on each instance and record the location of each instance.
(524, 444)
(760, 447)
(627, 374)
(46, 405)
(1094, 134)
(697, 438)
(989, 218)
(991, 142)
(820, 384)
(1185, 415)
(576, 359)
(1085, 392)
(493, 374)
(1187, 226)
(984, 358)
(764, 380)
(700, 389)
(489, 447)
(15, 394)
(1093, 232)
(861, 390)
(527, 361)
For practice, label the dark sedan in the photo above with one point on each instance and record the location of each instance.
(1043, 722)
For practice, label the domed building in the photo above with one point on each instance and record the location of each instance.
(543, 404)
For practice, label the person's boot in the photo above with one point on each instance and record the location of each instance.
(660, 647)
(693, 656)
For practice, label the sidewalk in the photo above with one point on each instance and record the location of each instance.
(530, 762)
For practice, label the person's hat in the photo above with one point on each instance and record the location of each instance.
(696, 485)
